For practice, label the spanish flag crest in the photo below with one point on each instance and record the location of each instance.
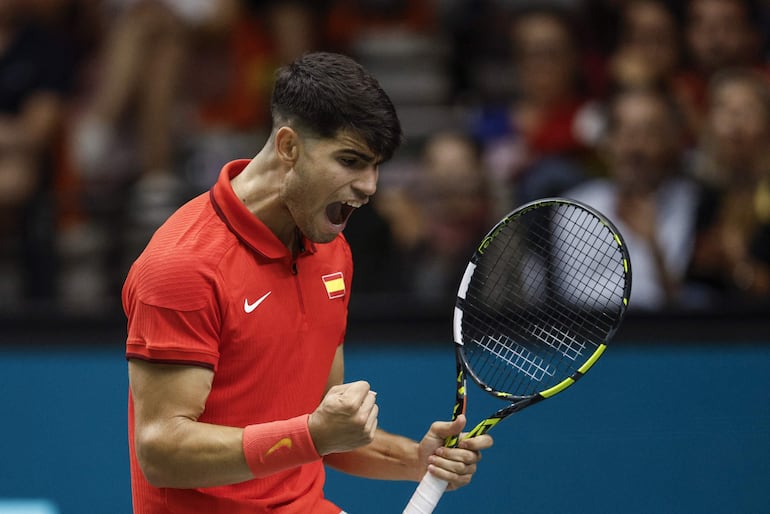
(335, 285)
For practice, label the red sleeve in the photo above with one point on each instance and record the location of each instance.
(173, 314)
(166, 335)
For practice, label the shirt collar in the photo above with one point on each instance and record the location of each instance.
(244, 224)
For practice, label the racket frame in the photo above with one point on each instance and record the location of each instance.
(519, 402)
(430, 489)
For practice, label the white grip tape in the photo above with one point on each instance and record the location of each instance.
(426, 496)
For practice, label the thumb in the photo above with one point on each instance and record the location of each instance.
(444, 429)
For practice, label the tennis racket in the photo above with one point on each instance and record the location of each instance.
(538, 303)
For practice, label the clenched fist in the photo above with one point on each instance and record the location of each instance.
(345, 420)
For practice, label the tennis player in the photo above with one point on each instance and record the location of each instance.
(237, 313)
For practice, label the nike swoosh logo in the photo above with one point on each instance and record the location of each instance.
(283, 443)
(249, 307)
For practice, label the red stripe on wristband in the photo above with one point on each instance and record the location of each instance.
(278, 445)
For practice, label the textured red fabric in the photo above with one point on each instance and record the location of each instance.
(216, 288)
(278, 445)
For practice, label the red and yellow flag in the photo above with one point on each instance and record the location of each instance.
(335, 285)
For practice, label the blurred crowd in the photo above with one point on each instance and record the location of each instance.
(115, 112)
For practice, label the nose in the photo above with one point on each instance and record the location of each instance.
(366, 183)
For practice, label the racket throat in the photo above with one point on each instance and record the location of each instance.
(487, 425)
(483, 427)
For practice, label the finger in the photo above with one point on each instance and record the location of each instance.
(462, 456)
(444, 429)
(455, 480)
(356, 392)
(349, 396)
(371, 422)
(368, 402)
(366, 412)
(478, 443)
(458, 463)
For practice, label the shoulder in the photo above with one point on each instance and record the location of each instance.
(180, 265)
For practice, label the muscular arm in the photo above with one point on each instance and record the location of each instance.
(173, 448)
(393, 457)
(388, 457)
(176, 450)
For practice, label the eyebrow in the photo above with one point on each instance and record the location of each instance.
(366, 157)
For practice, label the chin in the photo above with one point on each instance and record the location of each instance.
(320, 237)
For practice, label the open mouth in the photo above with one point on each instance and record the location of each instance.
(339, 212)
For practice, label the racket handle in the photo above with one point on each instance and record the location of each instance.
(426, 496)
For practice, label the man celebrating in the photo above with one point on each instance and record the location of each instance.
(237, 312)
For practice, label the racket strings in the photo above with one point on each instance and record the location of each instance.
(532, 365)
(548, 287)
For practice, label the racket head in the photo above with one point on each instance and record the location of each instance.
(540, 299)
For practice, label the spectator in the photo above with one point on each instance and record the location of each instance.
(348, 21)
(125, 130)
(403, 44)
(719, 34)
(439, 218)
(234, 77)
(533, 147)
(649, 50)
(35, 80)
(732, 251)
(646, 194)
(137, 95)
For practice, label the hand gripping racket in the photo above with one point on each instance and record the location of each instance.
(541, 298)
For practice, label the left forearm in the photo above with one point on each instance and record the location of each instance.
(388, 457)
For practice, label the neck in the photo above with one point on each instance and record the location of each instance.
(258, 187)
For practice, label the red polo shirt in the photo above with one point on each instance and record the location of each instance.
(216, 288)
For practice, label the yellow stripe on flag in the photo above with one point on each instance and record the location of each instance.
(335, 285)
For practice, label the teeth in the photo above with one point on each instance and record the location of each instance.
(353, 204)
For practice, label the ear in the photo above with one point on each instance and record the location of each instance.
(287, 145)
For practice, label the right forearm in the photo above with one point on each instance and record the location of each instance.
(186, 454)
(194, 454)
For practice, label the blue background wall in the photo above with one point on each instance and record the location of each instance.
(659, 428)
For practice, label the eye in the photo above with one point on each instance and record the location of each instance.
(348, 162)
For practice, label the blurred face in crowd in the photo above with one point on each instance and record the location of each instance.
(650, 32)
(545, 57)
(643, 140)
(454, 197)
(720, 34)
(738, 121)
